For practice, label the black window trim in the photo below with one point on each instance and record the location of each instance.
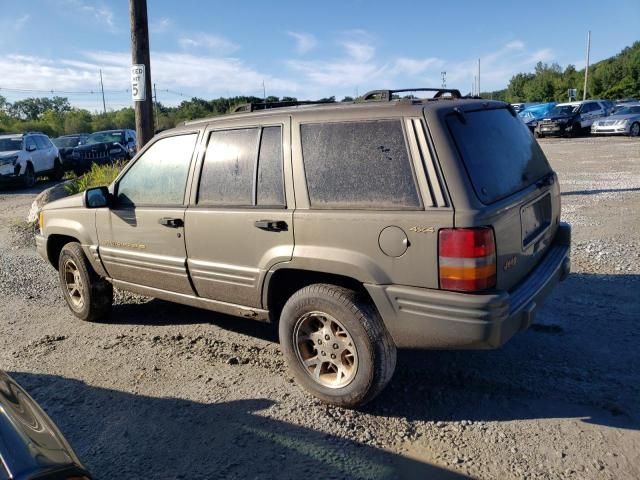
(116, 183)
(410, 158)
(254, 188)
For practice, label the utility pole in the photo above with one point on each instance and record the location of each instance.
(586, 70)
(141, 71)
(444, 79)
(104, 105)
(264, 93)
(479, 78)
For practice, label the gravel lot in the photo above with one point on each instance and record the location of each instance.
(164, 391)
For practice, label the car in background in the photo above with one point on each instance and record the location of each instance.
(570, 119)
(625, 121)
(31, 446)
(518, 107)
(102, 148)
(66, 144)
(26, 156)
(531, 115)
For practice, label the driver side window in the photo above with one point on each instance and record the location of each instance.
(159, 176)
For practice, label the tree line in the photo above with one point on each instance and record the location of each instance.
(615, 77)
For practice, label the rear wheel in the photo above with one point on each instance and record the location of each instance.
(89, 296)
(537, 134)
(336, 345)
(29, 177)
(58, 171)
(634, 131)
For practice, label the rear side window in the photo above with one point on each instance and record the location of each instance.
(360, 165)
(243, 167)
(499, 153)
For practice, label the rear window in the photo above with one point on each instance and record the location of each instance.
(500, 154)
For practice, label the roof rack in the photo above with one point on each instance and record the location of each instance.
(252, 107)
(387, 95)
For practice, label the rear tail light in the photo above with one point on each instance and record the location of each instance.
(467, 259)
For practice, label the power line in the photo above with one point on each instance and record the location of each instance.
(64, 92)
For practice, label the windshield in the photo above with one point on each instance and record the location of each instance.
(628, 110)
(66, 142)
(105, 137)
(10, 144)
(564, 109)
(500, 154)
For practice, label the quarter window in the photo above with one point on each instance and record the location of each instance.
(358, 165)
(159, 176)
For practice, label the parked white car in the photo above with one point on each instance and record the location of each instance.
(25, 157)
(624, 121)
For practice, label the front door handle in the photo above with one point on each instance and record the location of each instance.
(171, 222)
(271, 225)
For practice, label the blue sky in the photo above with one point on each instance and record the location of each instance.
(298, 48)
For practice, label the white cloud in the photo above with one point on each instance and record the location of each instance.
(98, 10)
(414, 66)
(305, 42)
(207, 41)
(22, 21)
(160, 25)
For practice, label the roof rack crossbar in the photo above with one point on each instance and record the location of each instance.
(252, 107)
(387, 95)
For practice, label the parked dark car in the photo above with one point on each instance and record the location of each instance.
(31, 446)
(104, 147)
(66, 144)
(570, 119)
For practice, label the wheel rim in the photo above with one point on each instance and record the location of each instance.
(325, 349)
(635, 129)
(73, 284)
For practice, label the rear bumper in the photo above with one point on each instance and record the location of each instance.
(427, 318)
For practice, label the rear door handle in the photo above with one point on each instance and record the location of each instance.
(271, 225)
(171, 222)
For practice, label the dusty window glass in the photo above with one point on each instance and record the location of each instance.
(358, 165)
(270, 187)
(159, 176)
(228, 170)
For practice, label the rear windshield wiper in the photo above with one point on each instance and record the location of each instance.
(546, 181)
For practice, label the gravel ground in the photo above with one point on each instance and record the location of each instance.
(164, 391)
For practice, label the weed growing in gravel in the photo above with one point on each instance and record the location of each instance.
(99, 175)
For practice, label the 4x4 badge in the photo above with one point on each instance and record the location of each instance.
(422, 229)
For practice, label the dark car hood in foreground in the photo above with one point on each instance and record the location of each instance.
(31, 446)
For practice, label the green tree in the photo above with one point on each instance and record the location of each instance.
(77, 121)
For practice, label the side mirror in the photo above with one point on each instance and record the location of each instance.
(31, 148)
(97, 197)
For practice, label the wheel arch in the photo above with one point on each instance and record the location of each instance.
(55, 244)
(280, 284)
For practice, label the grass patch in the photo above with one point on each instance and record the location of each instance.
(98, 176)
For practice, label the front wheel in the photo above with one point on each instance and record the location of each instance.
(29, 177)
(634, 131)
(336, 345)
(89, 296)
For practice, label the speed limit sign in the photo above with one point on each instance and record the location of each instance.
(138, 92)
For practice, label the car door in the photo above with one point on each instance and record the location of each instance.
(587, 114)
(239, 221)
(141, 237)
(39, 156)
(32, 148)
(49, 152)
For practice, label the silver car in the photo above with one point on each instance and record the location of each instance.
(625, 121)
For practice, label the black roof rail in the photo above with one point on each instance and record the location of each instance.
(252, 107)
(387, 95)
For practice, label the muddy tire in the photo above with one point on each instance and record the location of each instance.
(336, 344)
(58, 171)
(634, 130)
(28, 177)
(89, 296)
